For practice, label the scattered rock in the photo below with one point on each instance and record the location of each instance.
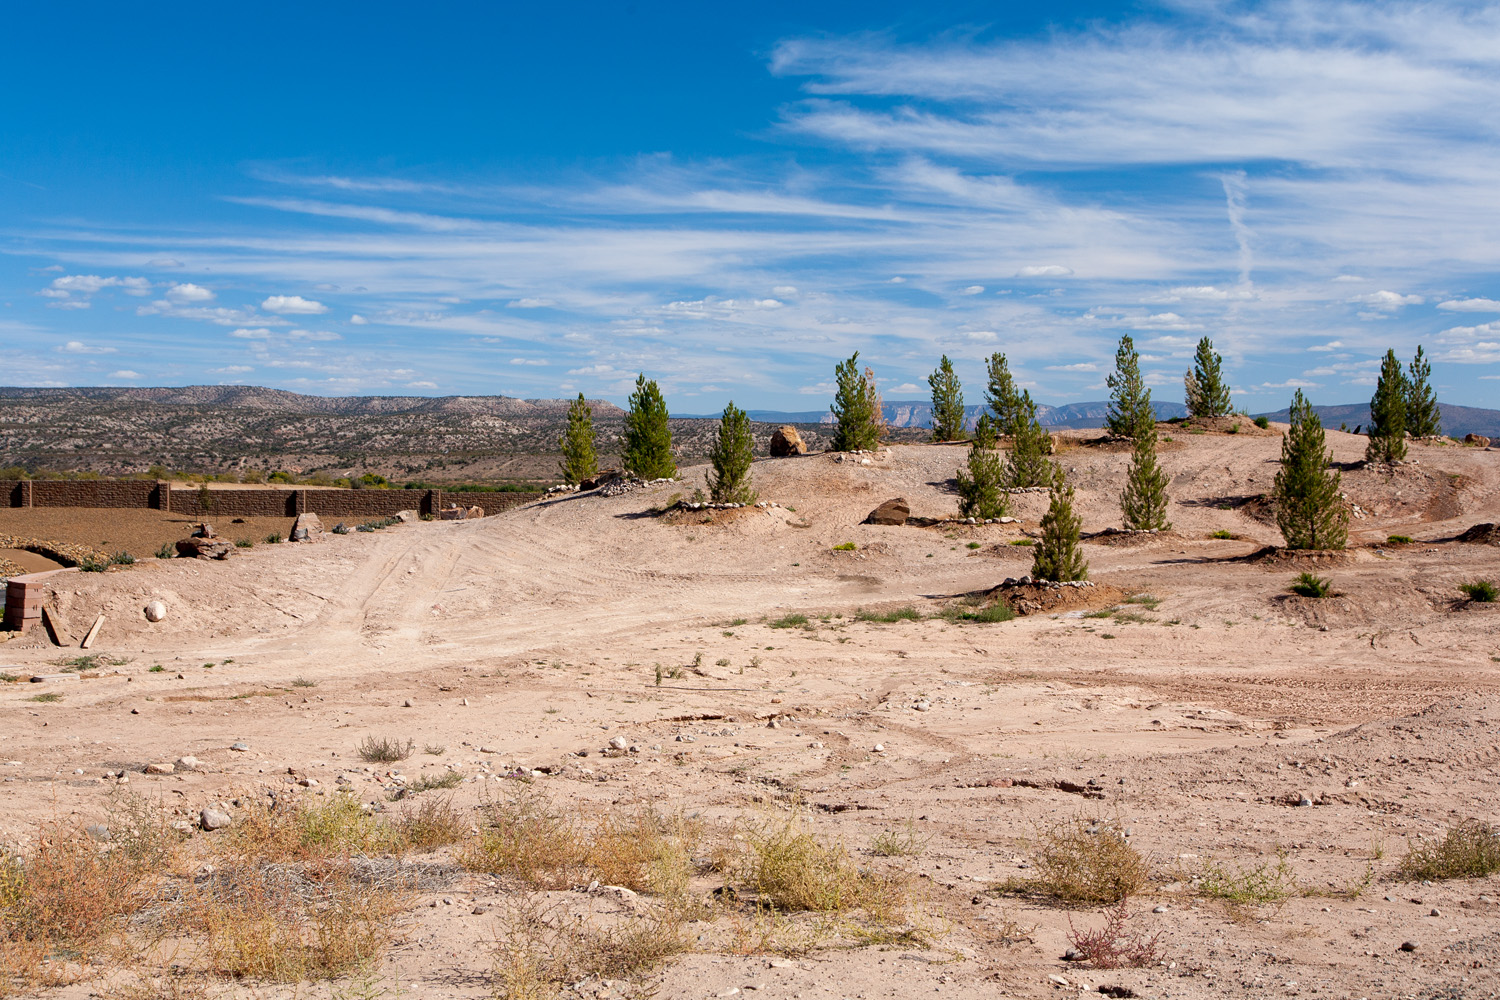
(785, 441)
(239, 747)
(923, 706)
(894, 512)
(214, 819)
(204, 530)
(97, 831)
(1477, 439)
(308, 524)
(186, 763)
(159, 769)
(155, 611)
(1409, 946)
(619, 743)
(603, 478)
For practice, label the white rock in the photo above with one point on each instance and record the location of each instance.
(880, 748)
(214, 819)
(187, 763)
(619, 743)
(156, 611)
(159, 769)
(923, 706)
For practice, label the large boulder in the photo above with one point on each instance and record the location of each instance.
(1482, 534)
(204, 548)
(1478, 440)
(891, 512)
(786, 441)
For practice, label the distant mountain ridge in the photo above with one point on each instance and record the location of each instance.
(252, 397)
(1457, 420)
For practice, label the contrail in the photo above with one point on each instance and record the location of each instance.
(1234, 197)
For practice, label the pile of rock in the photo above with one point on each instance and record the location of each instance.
(1126, 531)
(1027, 581)
(453, 512)
(204, 544)
(620, 487)
(563, 488)
(1025, 489)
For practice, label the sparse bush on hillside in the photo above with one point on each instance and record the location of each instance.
(1309, 510)
(385, 750)
(1263, 422)
(1480, 591)
(1087, 861)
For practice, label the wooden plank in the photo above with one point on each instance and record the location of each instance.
(57, 630)
(88, 640)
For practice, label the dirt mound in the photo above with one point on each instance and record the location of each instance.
(1482, 534)
(1043, 598)
(1276, 555)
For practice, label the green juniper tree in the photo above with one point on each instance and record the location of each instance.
(1309, 510)
(578, 459)
(1423, 419)
(856, 408)
(729, 480)
(947, 403)
(1058, 556)
(1130, 401)
(1207, 392)
(1030, 445)
(1143, 505)
(1388, 413)
(979, 490)
(647, 444)
(1000, 394)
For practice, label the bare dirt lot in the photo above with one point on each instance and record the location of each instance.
(115, 529)
(1270, 758)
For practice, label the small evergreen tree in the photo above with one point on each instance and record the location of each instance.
(1130, 401)
(1000, 394)
(979, 493)
(947, 403)
(1388, 413)
(729, 480)
(647, 444)
(1309, 511)
(578, 459)
(1030, 445)
(1143, 505)
(1423, 419)
(1058, 556)
(856, 408)
(1207, 392)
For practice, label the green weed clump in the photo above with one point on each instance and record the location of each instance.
(1255, 884)
(1480, 591)
(385, 750)
(527, 840)
(845, 547)
(906, 614)
(792, 870)
(167, 551)
(1470, 849)
(122, 558)
(1398, 540)
(1308, 585)
(793, 620)
(1221, 533)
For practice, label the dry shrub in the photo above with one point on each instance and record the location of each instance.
(544, 947)
(277, 829)
(645, 851)
(284, 925)
(431, 824)
(1088, 861)
(792, 870)
(1470, 849)
(1249, 884)
(763, 931)
(527, 840)
(1113, 947)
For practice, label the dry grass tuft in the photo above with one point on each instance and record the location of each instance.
(645, 851)
(543, 947)
(1088, 861)
(792, 870)
(1470, 849)
(432, 823)
(529, 841)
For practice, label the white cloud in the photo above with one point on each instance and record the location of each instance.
(424, 384)
(898, 280)
(972, 290)
(232, 370)
(125, 373)
(188, 293)
(1387, 301)
(1082, 366)
(293, 305)
(1332, 345)
(313, 335)
(785, 291)
(358, 320)
(1043, 271)
(1470, 305)
(257, 333)
(530, 304)
(527, 361)
(84, 284)
(79, 347)
(1291, 383)
(906, 387)
(1348, 278)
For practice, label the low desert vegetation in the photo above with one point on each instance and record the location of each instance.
(1480, 591)
(1221, 533)
(385, 749)
(1267, 882)
(1398, 540)
(845, 547)
(1308, 585)
(793, 620)
(1470, 849)
(906, 614)
(1113, 945)
(1086, 861)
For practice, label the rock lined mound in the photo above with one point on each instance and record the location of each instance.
(1026, 596)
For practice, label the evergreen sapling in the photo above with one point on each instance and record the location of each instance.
(1309, 510)
(1130, 401)
(578, 459)
(647, 444)
(1029, 447)
(979, 489)
(1207, 392)
(1143, 505)
(1000, 394)
(1423, 419)
(1058, 556)
(947, 403)
(733, 451)
(855, 408)
(1388, 413)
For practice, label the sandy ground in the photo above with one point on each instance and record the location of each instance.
(139, 532)
(1200, 726)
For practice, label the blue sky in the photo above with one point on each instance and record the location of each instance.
(489, 198)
